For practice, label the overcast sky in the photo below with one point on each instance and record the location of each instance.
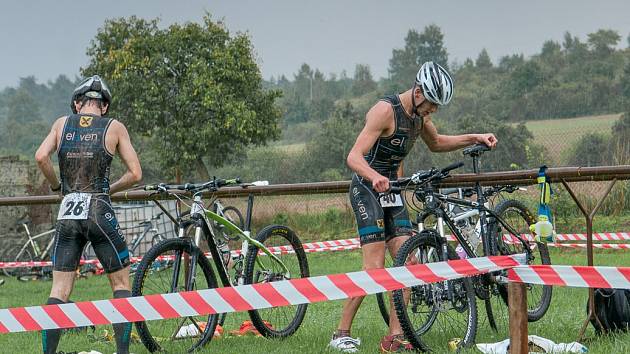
(48, 38)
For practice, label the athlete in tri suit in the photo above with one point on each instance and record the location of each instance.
(391, 128)
(85, 143)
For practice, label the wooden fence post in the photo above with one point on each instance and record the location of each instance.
(517, 306)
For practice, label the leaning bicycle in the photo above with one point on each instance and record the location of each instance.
(434, 306)
(190, 269)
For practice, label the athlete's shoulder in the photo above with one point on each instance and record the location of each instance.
(382, 110)
(59, 123)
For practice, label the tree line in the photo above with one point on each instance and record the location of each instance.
(195, 101)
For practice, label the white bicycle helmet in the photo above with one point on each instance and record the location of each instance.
(436, 83)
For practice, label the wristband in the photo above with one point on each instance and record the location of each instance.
(56, 189)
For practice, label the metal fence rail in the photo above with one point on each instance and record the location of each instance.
(521, 177)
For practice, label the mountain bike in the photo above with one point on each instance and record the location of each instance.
(148, 226)
(466, 219)
(503, 231)
(29, 251)
(191, 269)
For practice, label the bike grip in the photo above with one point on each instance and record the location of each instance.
(452, 167)
(395, 189)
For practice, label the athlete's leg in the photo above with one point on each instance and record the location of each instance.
(65, 256)
(59, 294)
(119, 282)
(373, 258)
(110, 247)
(393, 246)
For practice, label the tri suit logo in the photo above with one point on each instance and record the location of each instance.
(85, 121)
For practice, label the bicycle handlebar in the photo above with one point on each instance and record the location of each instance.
(190, 187)
(451, 167)
(423, 177)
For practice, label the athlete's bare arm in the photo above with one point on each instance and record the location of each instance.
(378, 122)
(47, 148)
(443, 143)
(128, 156)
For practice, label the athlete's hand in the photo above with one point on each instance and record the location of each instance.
(380, 184)
(489, 139)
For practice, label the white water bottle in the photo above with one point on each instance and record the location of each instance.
(543, 229)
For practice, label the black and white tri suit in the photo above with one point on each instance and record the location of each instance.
(84, 165)
(374, 222)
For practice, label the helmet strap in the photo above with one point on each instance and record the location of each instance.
(414, 108)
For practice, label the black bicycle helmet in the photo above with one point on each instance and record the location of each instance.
(92, 87)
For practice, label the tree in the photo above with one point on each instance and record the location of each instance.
(590, 150)
(483, 61)
(525, 78)
(419, 48)
(515, 141)
(603, 41)
(23, 129)
(23, 108)
(194, 89)
(328, 150)
(363, 81)
(620, 144)
(625, 84)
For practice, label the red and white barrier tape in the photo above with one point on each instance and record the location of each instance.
(612, 246)
(574, 276)
(244, 297)
(353, 243)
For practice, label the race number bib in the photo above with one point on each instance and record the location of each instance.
(390, 200)
(75, 206)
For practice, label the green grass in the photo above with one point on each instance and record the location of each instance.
(558, 135)
(561, 324)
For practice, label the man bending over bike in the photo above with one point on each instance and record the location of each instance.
(85, 143)
(391, 128)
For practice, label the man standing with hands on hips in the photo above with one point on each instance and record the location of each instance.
(391, 128)
(85, 143)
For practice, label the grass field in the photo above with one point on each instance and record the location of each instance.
(561, 324)
(558, 135)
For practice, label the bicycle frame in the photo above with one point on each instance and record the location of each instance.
(199, 213)
(435, 208)
(37, 253)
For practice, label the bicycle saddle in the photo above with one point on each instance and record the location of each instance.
(476, 149)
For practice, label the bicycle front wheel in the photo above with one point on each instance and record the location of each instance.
(383, 299)
(518, 217)
(277, 322)
(448, 309)
(174, 265)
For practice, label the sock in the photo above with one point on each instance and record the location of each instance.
(341, 333)
(50, 337)
(122, 331)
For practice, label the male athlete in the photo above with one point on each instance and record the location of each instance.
(85, 143)
(391, 128)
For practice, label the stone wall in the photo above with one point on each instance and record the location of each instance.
(19, 177)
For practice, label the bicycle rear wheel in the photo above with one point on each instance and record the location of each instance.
(447, 308)
(16, 254)
(518, 217)
(383, 299)
(278, 322)
(174, 265)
